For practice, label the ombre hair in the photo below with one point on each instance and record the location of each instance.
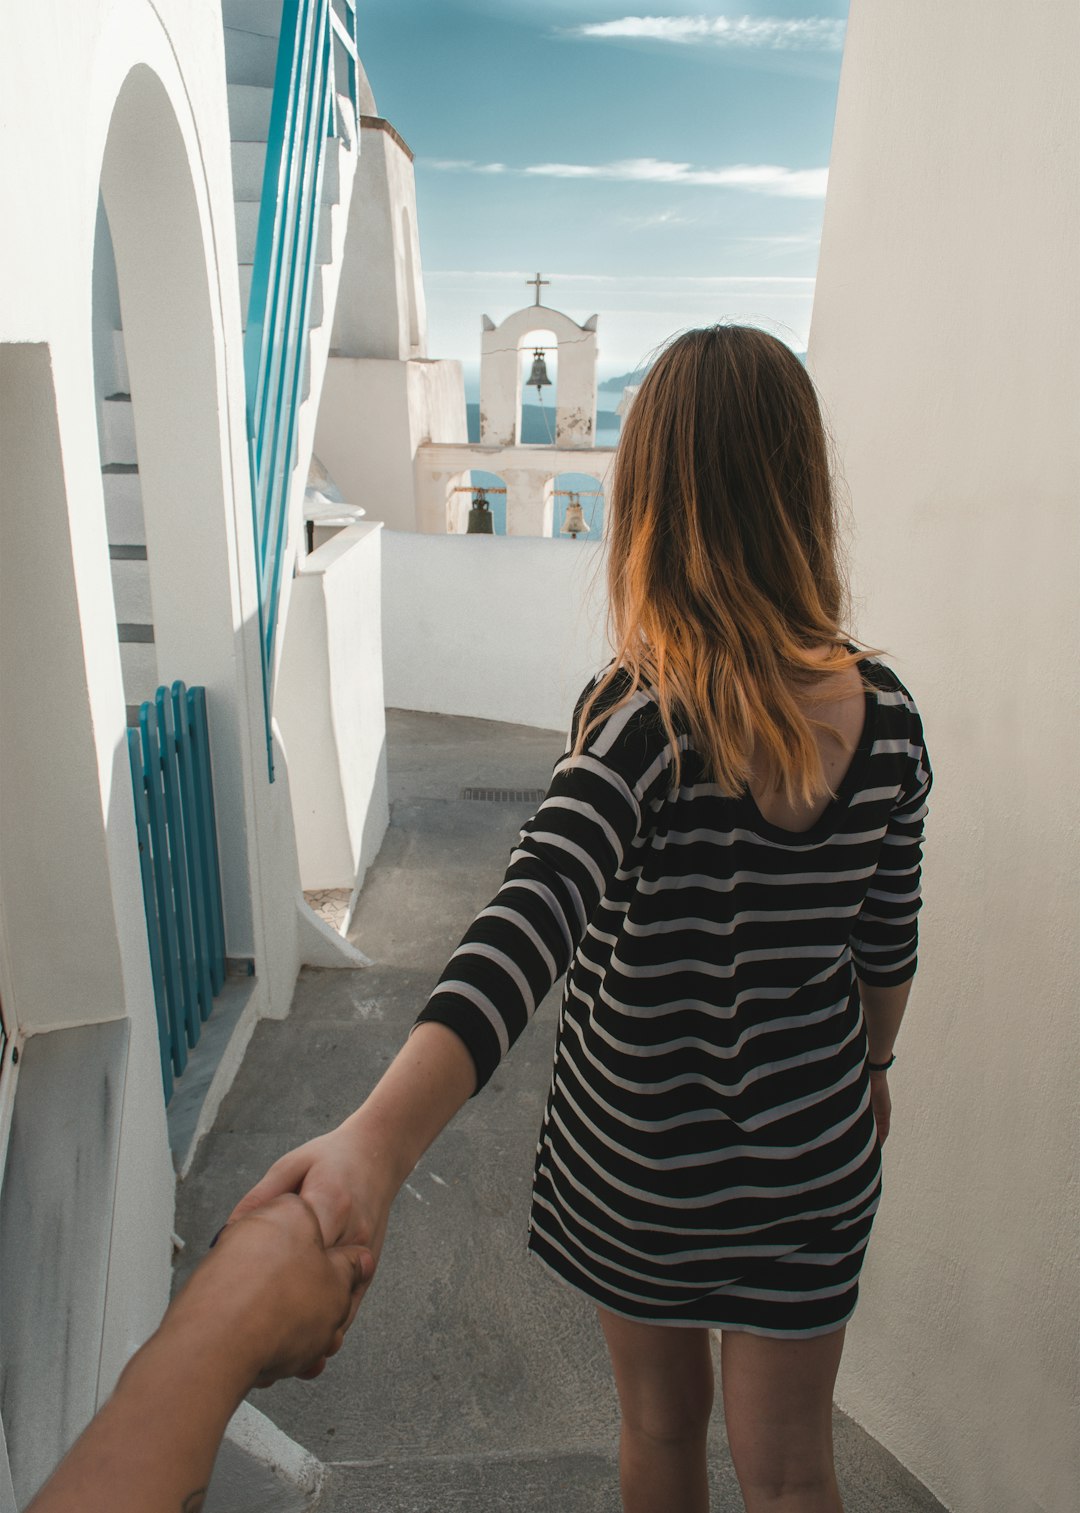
(723, 570)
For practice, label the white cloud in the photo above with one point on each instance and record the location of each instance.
(814, 33)
(761, 178)
(662, 218)
(764, 178)
(464, 165)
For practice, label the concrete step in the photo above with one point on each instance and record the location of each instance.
(250, 57)
(316, 313)
(247, 225)
(249, 112)
(123, 506)
(118, 431)
(131, 591)
(249, 160)
(262, 16)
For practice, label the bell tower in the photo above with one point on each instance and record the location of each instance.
(500, 374)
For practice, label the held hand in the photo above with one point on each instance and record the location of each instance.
(881, 1103)
(272, 1293)
(349, 1199)
(342, 1191)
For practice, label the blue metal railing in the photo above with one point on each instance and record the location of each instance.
(181, 875)
(315, 34)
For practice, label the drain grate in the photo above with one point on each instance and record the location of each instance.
(504, 795)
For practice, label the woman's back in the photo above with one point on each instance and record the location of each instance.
(709, 1110)
(839, 706)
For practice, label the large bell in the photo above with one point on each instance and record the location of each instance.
(481, 522)
(538, 378)
(575, 523)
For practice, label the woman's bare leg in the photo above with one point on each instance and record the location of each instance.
(778, 1409)
(664, 1378)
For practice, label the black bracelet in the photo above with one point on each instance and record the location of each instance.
(880, 1066)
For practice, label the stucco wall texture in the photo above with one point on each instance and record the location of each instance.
(944, 343)
(496, 627)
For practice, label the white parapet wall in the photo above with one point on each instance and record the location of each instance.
(330, 707)
(944, 343)
(496, 627)
(528, 472)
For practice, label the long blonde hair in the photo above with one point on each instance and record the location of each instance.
(722, 564)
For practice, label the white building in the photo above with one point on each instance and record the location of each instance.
(133, 442)
(128, 560)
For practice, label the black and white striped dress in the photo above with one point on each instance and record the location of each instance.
(708, 1153)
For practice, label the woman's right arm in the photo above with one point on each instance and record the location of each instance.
(510, 956)
(351, 1176)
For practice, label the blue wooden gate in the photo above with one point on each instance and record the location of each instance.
(181, 876)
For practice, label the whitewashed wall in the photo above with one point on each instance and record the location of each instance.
(330, 705)
(945, 343)
(380, 310)
(145, 88)
(144, 125)
(374, 415)
(497, 627)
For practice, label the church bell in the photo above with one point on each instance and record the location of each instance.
(575, 523)
(538, 378)
(480, 518)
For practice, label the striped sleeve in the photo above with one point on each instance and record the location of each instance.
(566, 856)
(885, 940)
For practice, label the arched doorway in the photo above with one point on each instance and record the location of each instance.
(176, 470)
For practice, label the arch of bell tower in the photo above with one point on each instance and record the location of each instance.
(500, 376)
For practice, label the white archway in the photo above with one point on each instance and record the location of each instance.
(163, 270)
(500, 376)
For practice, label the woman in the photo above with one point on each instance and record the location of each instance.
(726, 867)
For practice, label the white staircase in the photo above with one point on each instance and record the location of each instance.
(127, 533)
(251, 41)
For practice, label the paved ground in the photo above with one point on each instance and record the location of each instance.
(472, 1380)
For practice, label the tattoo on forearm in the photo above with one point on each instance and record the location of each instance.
(193, 1501)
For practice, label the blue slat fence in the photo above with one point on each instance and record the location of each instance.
(317, 39)
(181, 875)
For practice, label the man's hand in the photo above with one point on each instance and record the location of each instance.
(271, 1300)
(274, 1291)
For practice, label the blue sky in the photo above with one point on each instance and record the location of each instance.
(664, 166)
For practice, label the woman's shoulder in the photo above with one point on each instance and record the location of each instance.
(889, 691)
(623, 726)
(898, 728)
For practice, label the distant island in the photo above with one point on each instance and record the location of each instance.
(623, 380)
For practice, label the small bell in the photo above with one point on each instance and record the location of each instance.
(538, 378)
(480, 518)
(575, 523)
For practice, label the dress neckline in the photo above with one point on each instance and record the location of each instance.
(825, 822)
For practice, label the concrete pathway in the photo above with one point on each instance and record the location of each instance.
(472, 1379)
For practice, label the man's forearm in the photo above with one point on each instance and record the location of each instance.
(151, 1448)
